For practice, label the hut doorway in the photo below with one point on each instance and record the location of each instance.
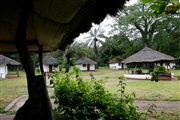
(88, 67)
(50, 68)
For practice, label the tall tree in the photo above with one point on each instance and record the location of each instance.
(135, 22)
(95, 38)
(158, 32)
(118, 45)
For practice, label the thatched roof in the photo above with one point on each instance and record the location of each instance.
(49, 60)
(52, 23)
(148, 55)
(116, 60)
(85, 60)
(8, 61)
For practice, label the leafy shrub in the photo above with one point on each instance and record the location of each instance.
(177, 67)
(156, 71)
(178, 77)
(78, 99)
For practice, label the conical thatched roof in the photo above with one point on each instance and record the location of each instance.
(85, 60)
(52, 23)
(116, 60)
(9, 61)
(148, 55)
(49, 60)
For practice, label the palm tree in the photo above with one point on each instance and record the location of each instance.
(95, 38)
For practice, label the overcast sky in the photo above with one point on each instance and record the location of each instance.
(106, 24)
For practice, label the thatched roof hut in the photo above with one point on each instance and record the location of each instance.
(50, 64)
(86, 64)
(116, 63)
(116, 60)
(49, 60)
(8, 61)
(4, 61)
(147, 55)
(85, 60)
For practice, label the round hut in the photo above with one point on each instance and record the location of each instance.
(116, 63)
(86, 64)
(149, 58)
(5, 62)
(50, 64)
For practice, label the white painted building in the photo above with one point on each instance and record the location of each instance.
(116, 64)
(3, 71)
(50, 64)
(86, 67)
(48, 68)
(86, 64)
(4, 61)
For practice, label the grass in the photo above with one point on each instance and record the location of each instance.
(145, 90)
(12, 88)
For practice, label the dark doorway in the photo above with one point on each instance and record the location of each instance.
(88, 67)
(50, 68)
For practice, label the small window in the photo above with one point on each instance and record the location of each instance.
(84, 65)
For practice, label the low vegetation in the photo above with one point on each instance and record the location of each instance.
(78, 99)
(11, 88)
(144, 90)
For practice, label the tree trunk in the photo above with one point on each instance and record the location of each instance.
(96, 53)
(38, 106)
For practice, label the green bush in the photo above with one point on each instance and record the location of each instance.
(178, 77)
(177, 67)
(156, 71)
(77, 99)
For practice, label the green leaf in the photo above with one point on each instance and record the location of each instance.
(155, 7)
(146, 1)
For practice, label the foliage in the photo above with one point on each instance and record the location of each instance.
(118, 45)
(78, 99)
(122, 108)
(178, 77)
(81, 50)
(160, 33)
(156, 71)
(135, 23)
(163, 6)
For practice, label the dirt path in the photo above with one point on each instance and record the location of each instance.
(162, 106)
(165, 106)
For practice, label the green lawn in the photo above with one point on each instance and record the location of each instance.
(147, 90)
(144, 89)
(163, 90)
(11, 89)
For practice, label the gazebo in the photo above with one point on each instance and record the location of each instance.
(4, 63)
(86, 64)
(50, 63)
(116, 63)
(149, 57)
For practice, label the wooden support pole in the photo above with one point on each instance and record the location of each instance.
(41, 59)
